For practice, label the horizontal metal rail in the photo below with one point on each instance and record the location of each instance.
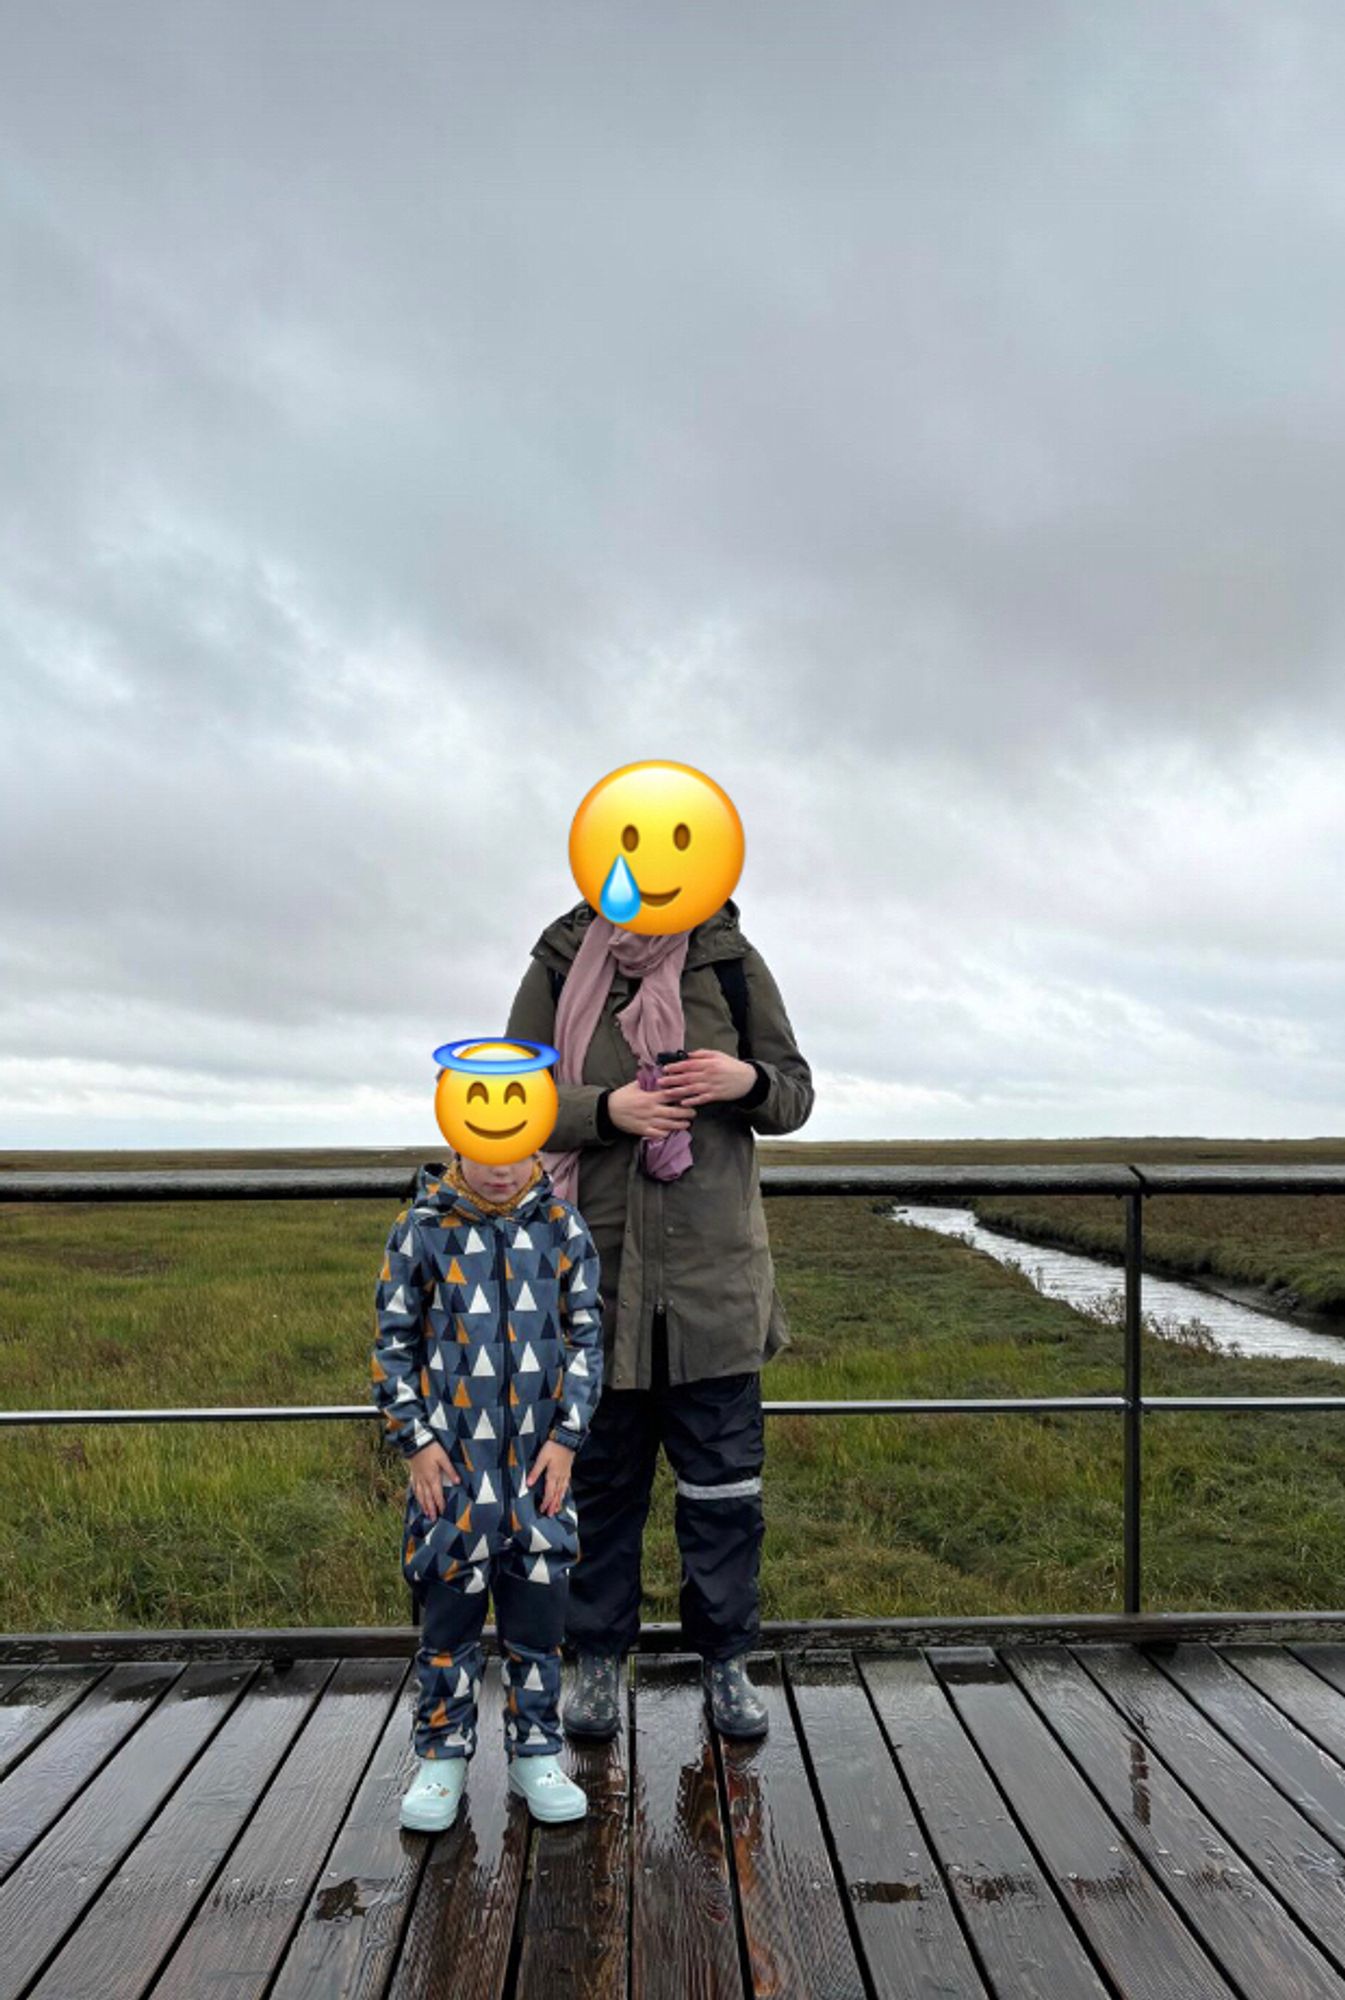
(1131, 1182)
(919, 1183)
(957, 1406)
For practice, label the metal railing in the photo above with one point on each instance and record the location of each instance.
(1132, 1184)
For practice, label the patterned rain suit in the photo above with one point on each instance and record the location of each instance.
(489, 1343)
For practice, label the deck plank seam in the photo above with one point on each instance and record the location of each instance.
(111, 1874)
(1203, 1943)
(917, 1815)
(1336, 1840)
(829, 1838)
(149, 1707)
(1017, 1820)
(213, 1877)
(731, 1860)
(1335, 1955)
(374, 1747)
(53, 1722)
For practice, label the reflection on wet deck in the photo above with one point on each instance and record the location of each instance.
(1033, 1820)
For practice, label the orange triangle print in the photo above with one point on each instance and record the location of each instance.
(453, 1275)
(461, 1399)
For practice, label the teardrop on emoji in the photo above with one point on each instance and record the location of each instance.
(620, 898)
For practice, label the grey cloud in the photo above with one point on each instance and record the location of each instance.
(929, 420)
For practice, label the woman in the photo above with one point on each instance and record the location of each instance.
(660, 1157)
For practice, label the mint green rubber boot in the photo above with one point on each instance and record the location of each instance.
(551, 1796)
(430, 1801)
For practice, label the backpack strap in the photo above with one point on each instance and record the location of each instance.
(732, 984)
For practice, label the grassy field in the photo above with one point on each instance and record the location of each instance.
(298, 1524)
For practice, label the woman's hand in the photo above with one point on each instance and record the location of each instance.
(649, 1114)
(552, 1464)
(428, 1470)
(707, 1076)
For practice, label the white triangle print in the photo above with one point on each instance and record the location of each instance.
(439, 1305)
(573, 1420)
(482, 1366)
(527, 1427)
(405, 1393)
(397, 1303)
(581, 1316)
(485, 1492)
(579, 1365)
(525, 1301)
(437, 1360)
(484, 1427)
(529, 1365)
(464, 1685)
(522, 1240)
(480, 1552)
(393, 1346)
(473, 1243)
(476, 1581)
(480, 1303)
(407, 1244)
(573, 1229)
(539, 1573)
(437, 1417)
(538, 1542)
(534, 1678)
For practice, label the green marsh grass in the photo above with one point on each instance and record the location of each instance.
(297, 1523)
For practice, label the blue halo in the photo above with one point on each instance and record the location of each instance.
(448, 1056)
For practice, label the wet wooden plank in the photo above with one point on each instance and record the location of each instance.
(36, 1793)
(1139, 1940)
(32, 1704)
(794, 1919)
(684, 1940)
(1243, 1925)
(577, 1936)
(1292, 1761)
(462, 1920)
(1310, 1703)
(47, 1893)
(908, 1930)
(1325, 1657)
(239, 1935)
(137, 1920)
(350, 1933)
(1025, 1941)
(1306, 1872)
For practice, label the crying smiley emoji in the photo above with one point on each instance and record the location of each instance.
(496, 1102)
(656, 847)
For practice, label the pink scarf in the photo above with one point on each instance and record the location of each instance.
(650, 1022)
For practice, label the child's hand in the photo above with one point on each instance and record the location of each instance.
(553, 1463)
(428, 1469)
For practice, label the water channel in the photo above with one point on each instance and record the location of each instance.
(1095, 1287)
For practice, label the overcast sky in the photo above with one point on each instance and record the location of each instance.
(930, 421)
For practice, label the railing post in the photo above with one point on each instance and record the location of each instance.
(1133, 1409)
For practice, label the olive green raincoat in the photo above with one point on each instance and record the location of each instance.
(697, 1246)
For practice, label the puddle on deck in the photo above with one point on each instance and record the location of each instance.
(1095, 1287)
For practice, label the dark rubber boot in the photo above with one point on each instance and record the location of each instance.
(736, 1709)
(593, 1709)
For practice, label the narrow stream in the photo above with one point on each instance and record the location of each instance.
(1095, 1287)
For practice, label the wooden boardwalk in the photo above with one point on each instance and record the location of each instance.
(1042, 1820)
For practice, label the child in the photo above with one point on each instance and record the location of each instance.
(487, 1367)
